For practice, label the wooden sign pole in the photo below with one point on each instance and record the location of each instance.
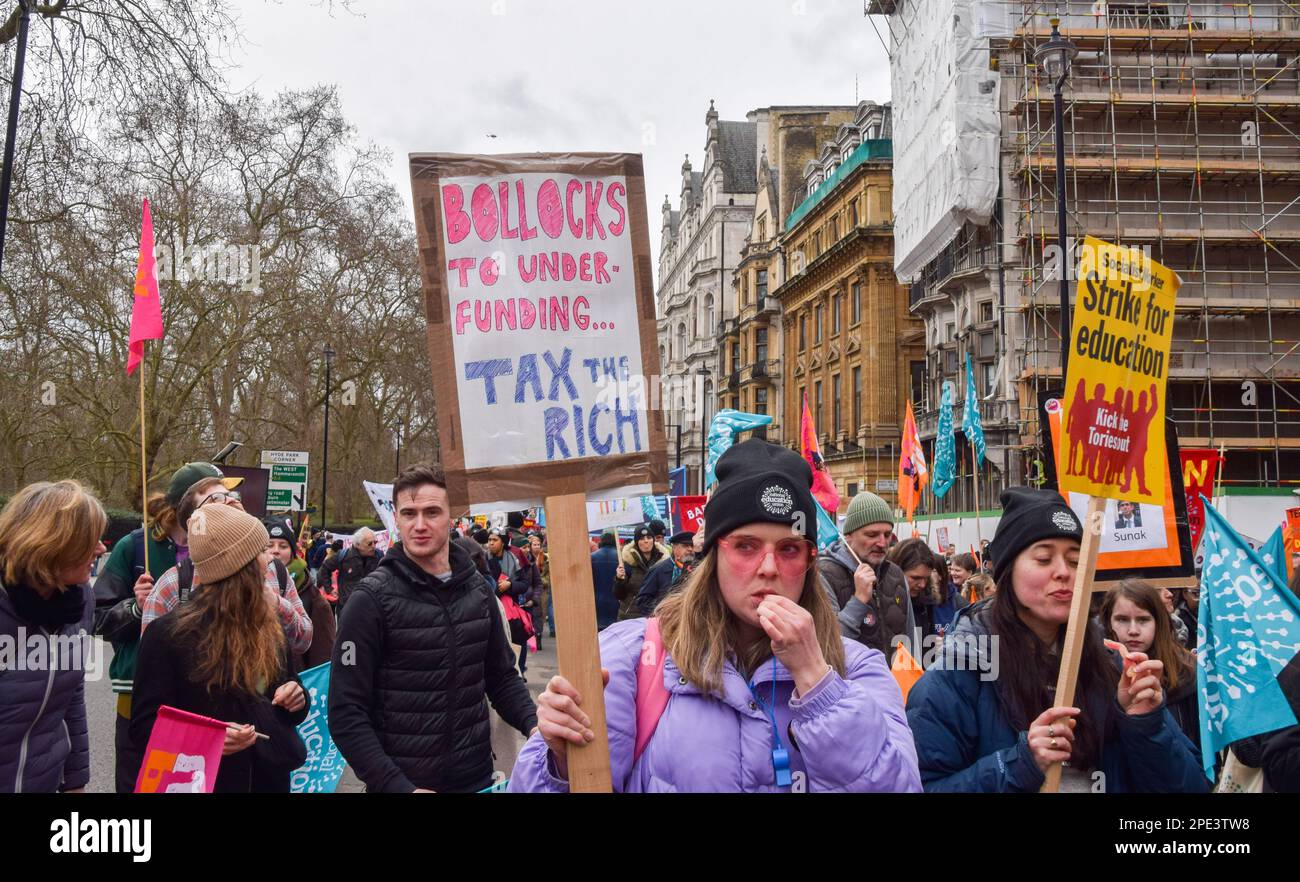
(574, 596)
(1077, 629)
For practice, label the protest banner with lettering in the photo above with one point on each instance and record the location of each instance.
(687, 512)
(325, 765)
(610, 513)
(183, 754)
(1114, 444)
(541, 329)
(1199, 470)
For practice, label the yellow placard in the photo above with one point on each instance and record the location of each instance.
(1113, 445)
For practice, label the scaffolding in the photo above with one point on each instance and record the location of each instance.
(1182, 136)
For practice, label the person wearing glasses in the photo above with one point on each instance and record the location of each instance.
(746, 684)
(175, 585)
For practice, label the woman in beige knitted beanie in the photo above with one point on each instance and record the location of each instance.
(223, 655)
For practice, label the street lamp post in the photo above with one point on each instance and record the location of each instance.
(397, 460)
(703, 373)
(325, 465)
(11, 132)
(1054, 57)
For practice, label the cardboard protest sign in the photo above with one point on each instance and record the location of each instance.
(1113, 443)
(1291, 533)
(541, 325)
(541, 329)
(1199, 470)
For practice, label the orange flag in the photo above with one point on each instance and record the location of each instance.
(906, 670)
(912, 472)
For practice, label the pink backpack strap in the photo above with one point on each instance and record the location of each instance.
(651, 696)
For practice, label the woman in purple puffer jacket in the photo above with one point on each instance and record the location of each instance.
(763, 693)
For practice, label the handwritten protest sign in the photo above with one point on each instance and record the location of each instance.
(541, 319)
(541, 330)
(1114, 443)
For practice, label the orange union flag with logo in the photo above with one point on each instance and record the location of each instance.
(1114, 440)
(913, 474)
(146, 310)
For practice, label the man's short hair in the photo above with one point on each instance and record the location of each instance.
(415, 476)
(360, 535)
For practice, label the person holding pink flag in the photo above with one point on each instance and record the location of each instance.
(224, 655)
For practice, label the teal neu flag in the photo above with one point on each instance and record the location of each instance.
(970, 420)
(945, 446)
(324, 766)
(1248, 631)
(827, 530)
(1273, 554)
(722, 434)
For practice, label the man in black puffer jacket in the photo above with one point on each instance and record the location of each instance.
(420, 644)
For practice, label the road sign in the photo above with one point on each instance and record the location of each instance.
(287, 490)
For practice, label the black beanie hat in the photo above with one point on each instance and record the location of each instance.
(1030, 516)
(760, 482)
(281, 528)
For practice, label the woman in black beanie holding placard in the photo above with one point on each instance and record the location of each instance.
(984, 717)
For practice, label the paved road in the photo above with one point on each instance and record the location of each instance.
(101, 711)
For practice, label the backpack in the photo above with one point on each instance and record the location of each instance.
(185, 578)
(651, 696)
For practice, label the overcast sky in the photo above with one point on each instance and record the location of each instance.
(554, 75)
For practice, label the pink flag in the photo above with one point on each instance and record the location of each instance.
(183, 755)
(146, 311)
(823, 488)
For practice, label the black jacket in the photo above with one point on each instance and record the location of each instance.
(413, 661)
(659, 580)
(162, 678)
(352, 567)
(1278, 753)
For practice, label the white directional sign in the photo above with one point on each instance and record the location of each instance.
(287, 488)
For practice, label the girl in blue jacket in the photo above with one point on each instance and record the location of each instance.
(984, 718)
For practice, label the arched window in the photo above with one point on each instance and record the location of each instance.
(681, 342)
(710, 326)
(663, 360)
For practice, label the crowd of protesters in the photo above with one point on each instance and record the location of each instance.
(736, 635)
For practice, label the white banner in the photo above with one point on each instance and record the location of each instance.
(614, 513)
(381, 497)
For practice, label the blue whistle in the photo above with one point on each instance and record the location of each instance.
(781, 765)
